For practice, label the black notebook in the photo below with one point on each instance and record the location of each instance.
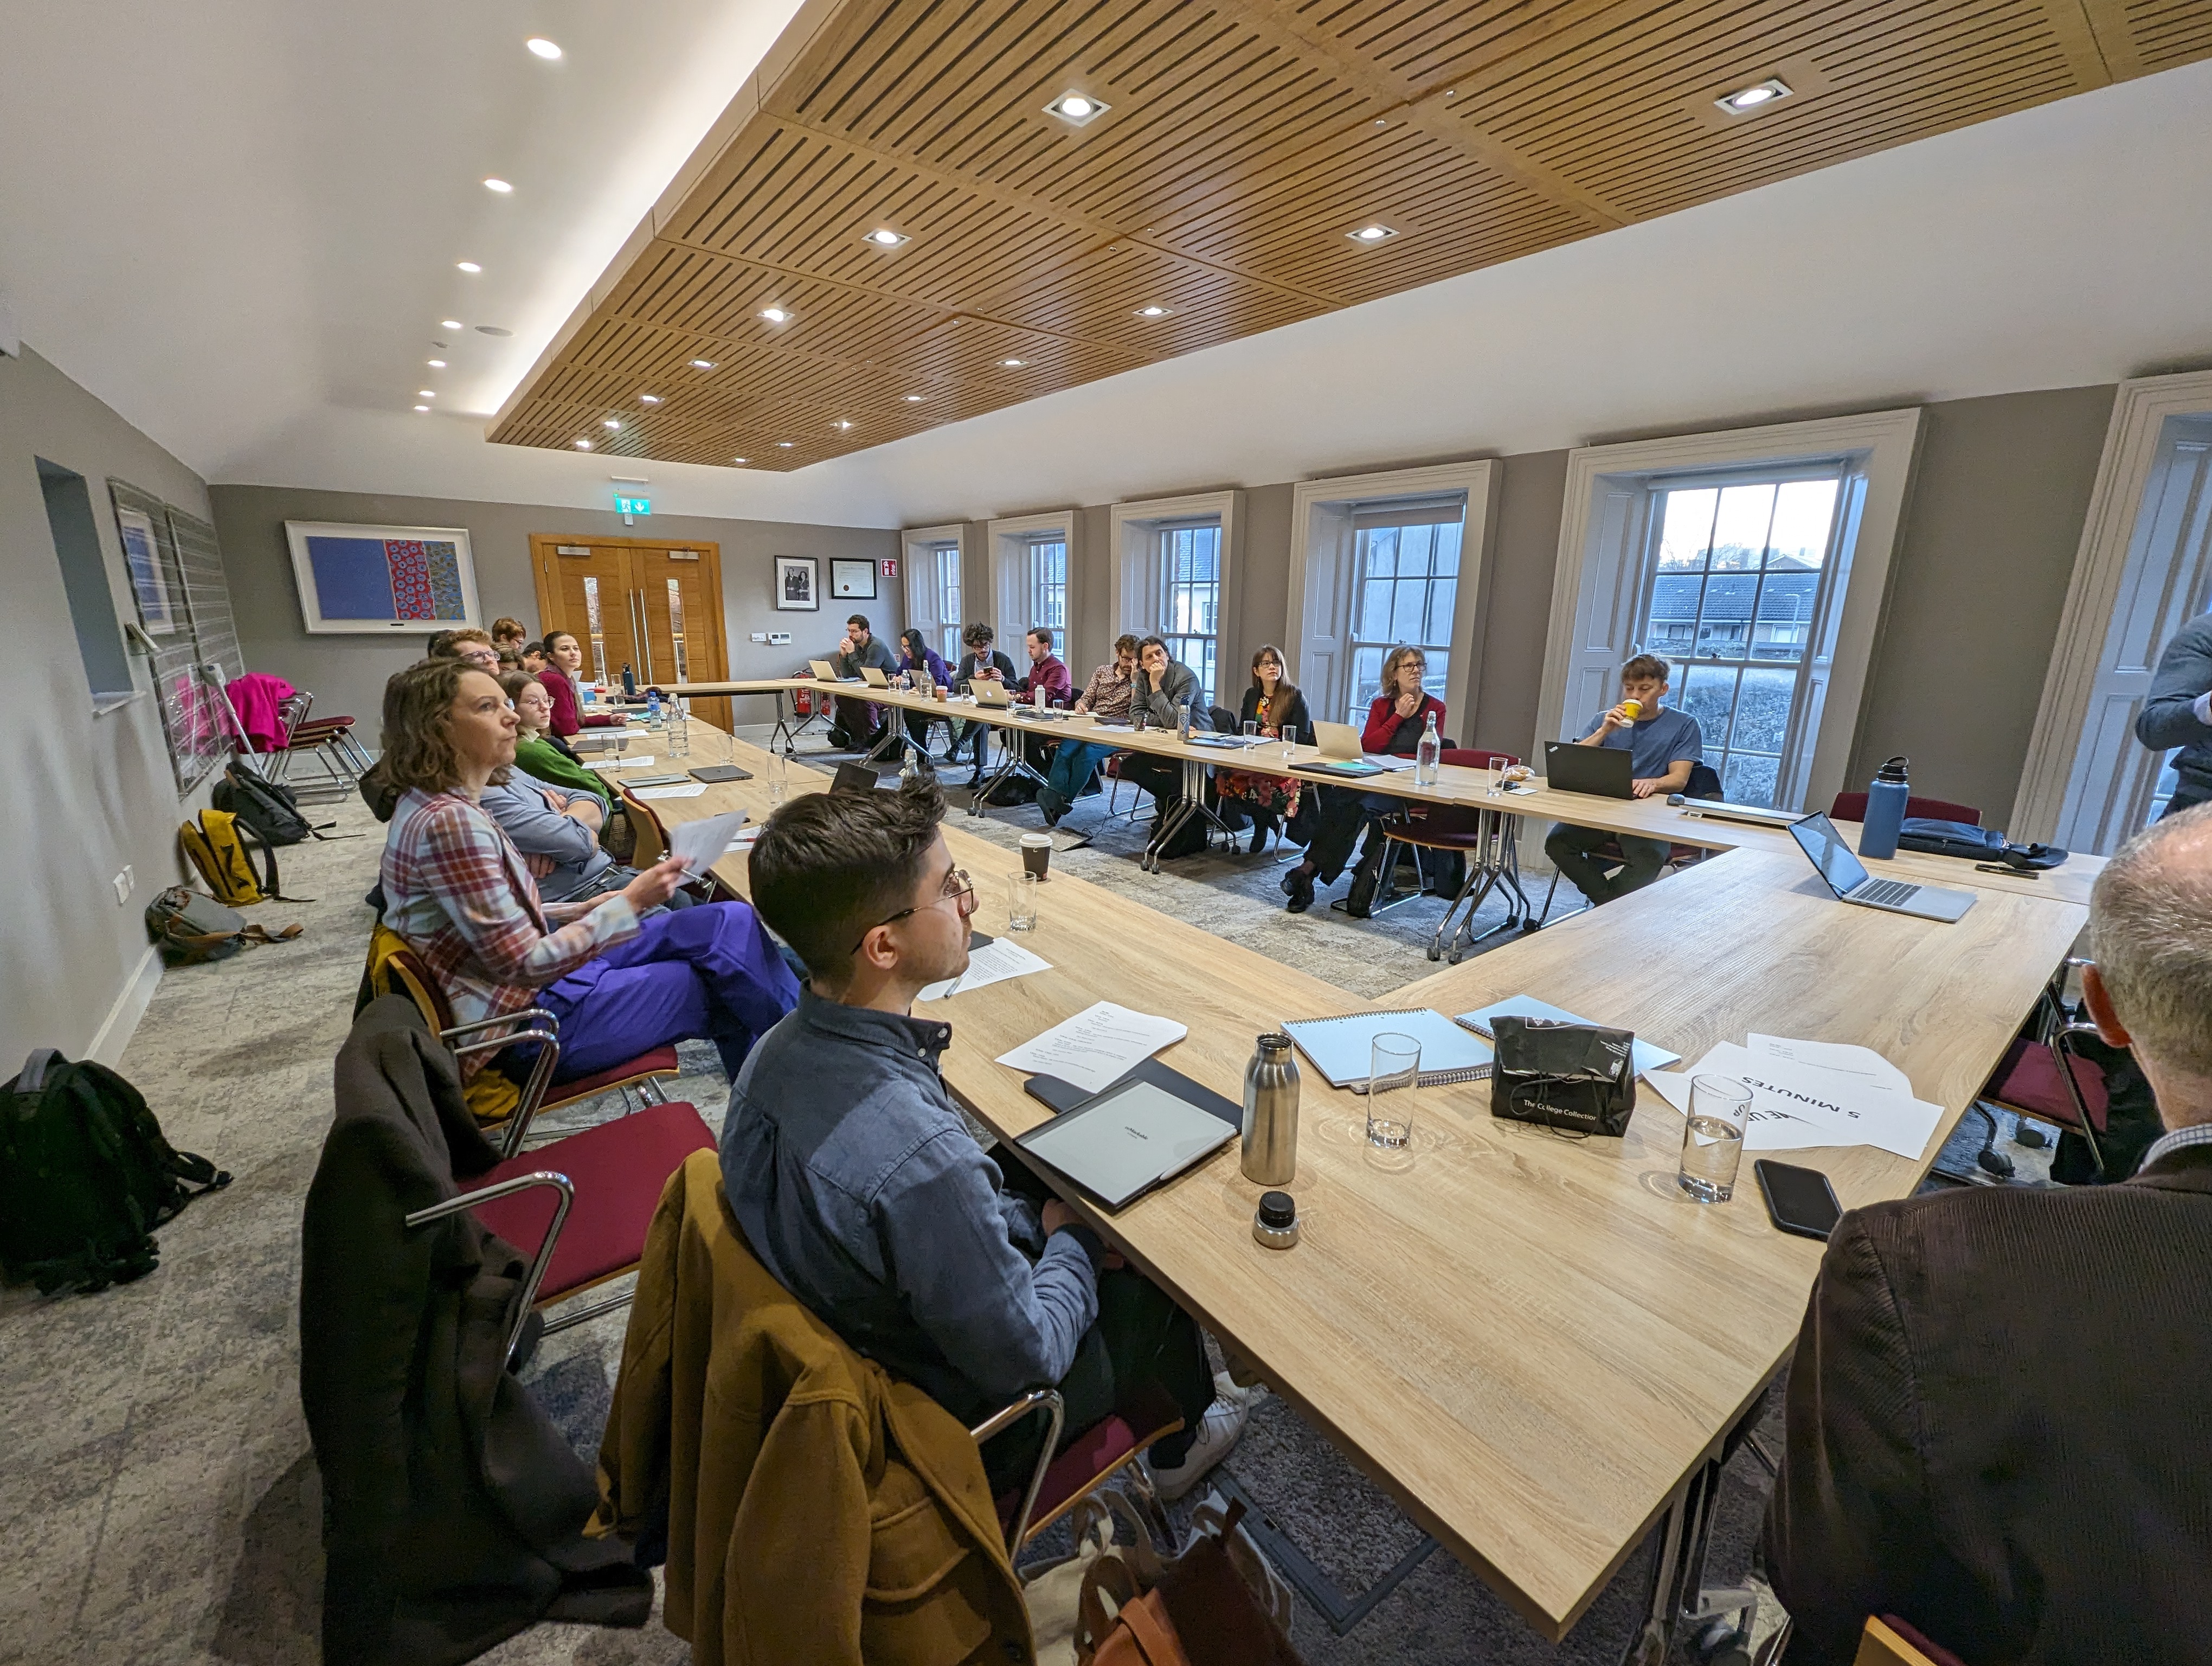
(1064, 1095)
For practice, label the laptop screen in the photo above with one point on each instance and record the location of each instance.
(1817, 837)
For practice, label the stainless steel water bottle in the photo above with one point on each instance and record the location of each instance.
(1887, 797)
(1271, 1113)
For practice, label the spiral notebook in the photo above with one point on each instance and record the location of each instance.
(1340, 1047)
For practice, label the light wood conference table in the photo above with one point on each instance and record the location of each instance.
(1534, 1344)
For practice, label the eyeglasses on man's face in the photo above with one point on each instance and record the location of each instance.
(959, 890)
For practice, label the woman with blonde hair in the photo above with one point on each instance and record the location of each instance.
(1395, 720)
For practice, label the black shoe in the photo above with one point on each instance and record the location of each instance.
(975, 781)
(1299, 886)
(1053, 804)
(1360, 901)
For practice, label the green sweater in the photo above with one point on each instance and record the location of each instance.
(536, 755)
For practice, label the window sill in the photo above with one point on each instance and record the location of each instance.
(102, 704)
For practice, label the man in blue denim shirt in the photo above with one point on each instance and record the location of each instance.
(862, 1191)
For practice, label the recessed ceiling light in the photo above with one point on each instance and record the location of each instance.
(499, 186)
(610, 422)
(1745, 100)
(785, 444)
(436, 364)
(775, 314)
(1077, 109)
(422, 407)
(468, 266)
(648, 398)
(841, 424)
(1013, 364)
(883, 237)
(544, 48)
(426, 393)
(583, 445)
(449, 324)
(740, 459)
(492, 330)
(911, 398)
(702, 364)
(1155, 312)
(1373, 232)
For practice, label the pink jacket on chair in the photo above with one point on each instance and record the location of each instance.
(255, 697)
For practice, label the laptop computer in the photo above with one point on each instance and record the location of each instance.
(874, 677)
(1845, 874)
(1602, 771)
(1721, 810)
(827, 672)
(989, 693)
(1339, 742)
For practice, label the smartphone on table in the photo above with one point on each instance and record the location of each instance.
(1798, 1200)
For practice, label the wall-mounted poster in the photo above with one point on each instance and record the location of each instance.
(382, 581)
(161, 605)
(852, 581)
(795, 584)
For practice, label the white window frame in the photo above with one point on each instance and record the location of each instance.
(1317, 634)
(1136, 594)
(1598, 587)
(921, 544)
(2102, 780)
(1013, 583)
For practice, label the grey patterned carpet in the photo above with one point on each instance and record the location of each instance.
(155, 1462)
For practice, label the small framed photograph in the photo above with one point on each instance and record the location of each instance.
(852, 581)
(797, 583)
(160, 604)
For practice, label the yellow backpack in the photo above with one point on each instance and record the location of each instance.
(216, 842)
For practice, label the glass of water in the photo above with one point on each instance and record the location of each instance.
(1021, 901)
(779, 777)
(1394, 1082)
(1251, 730)
(1712, 1143)
(1495, 766)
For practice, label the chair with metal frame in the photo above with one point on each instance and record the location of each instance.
(2043, 1078)
(1486, 836)
(1705, 783)
(328, 741)
(1109, 1447)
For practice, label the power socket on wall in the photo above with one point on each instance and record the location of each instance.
(124, 884)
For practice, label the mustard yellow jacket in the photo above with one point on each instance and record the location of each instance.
(819, 1513)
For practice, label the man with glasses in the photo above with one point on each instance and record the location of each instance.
(861, 1188)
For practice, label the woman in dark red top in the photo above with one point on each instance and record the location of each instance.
(564, 657)
(1394, 724)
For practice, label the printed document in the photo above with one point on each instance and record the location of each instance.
(994, 962)
(688, 790)
(625, 762)
(702, 843)
(1798, 1100)
(1095, 1047)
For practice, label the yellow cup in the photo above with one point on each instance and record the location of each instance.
(1633, 708)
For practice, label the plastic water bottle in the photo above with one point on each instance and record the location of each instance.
(1036, 697)
(1885, 811)
(653, 708)
(679, 724)
(910, 769)
(1426, 754)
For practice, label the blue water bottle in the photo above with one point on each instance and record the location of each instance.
(1885, 811)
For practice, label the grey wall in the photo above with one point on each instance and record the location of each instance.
(1518, 603)
(86, 795)
(1987, 551)
(1263, 608)
(347, 673)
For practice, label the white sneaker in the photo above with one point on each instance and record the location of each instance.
(1216, 1433)
(1225, 1387)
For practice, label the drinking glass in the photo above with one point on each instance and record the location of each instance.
(1495, 766)
(1290, 740)
(1251, 730)
(1712, 1141)
(1021, 901)
(1394, 1081)
(779, 777)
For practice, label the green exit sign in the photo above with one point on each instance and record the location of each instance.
(633, 506)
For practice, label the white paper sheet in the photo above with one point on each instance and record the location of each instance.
(1389, 760)
(626, 762)
(994, 962)
(747, 837)
(1840, 1056)
(702, 843)
(1796, 1104)
(1095, 1047)
(690, 789)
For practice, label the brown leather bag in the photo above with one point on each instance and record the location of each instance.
(1196, 1610)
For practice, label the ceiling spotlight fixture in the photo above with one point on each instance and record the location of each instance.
(544, 48)
(426, 393)
(648, 398)
(583, 445)
(1373, 233)
(610, 422)
(775, 315)
(740, 459)
(422, 407)
(1077, 109)
(1748, 98)
(840, 425)
(449, 324)
(436, 364)
(702, 364)
(469, 266)
(911, 398)
(492, 330)
(1155, 312)
(784, 445)
(499, 186)
(883, 237)
(1013, 364)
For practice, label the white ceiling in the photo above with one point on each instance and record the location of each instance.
(238, 224)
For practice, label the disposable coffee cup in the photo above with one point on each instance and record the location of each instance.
(1036, 854)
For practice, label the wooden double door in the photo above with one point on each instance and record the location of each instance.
(653, 605)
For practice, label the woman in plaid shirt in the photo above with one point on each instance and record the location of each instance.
(461, 895)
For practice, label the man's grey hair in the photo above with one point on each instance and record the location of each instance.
(2150, 928)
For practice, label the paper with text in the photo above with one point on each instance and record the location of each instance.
(688, 790)
(625, 762)
(1796, 1105)
(994, 962)
(1095, 1047)
(704, 842)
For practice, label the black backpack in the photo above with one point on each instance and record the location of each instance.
(271, 809)
(86, 1177)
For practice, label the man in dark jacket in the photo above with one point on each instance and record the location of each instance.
(1164, 686)
(1998, 1429)
(2178, 711)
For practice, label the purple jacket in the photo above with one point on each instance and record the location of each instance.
(940, 672)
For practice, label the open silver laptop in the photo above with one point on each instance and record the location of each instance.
(1339, 742)
(1757, 815)
(1845, 875)
(827, 672)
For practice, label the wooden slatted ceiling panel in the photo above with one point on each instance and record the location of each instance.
(1245, 138)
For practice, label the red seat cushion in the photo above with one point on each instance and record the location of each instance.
(618, 1169)
(2028, 1080)
(1106, 1445)
(661, 1062)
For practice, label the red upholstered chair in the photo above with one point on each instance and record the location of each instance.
(1485, 837)
(1851, 807)
(1090, 1460)
(2042, 1077)
(328, 740)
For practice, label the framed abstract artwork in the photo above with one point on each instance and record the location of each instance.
(161, 600)
(852, 581)
(382, 581)
(798, 584)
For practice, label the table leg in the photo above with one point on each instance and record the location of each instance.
(1193, 803)
(1677, 1594)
